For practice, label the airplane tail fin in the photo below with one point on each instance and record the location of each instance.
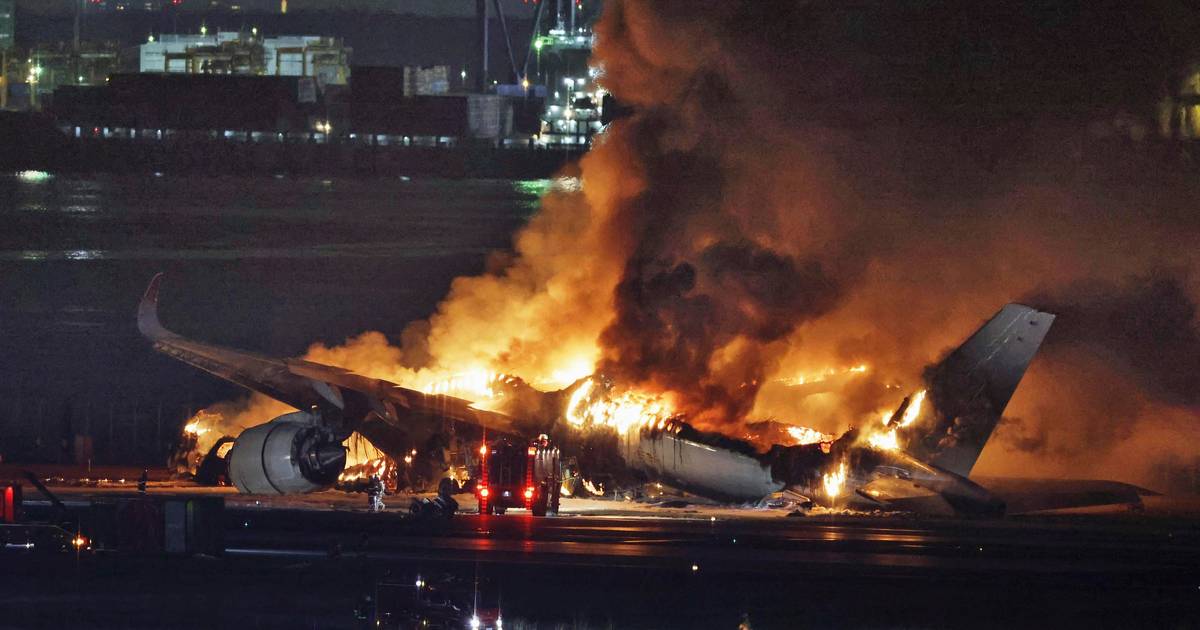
(970, 388)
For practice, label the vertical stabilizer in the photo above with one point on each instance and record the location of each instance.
(971, 387)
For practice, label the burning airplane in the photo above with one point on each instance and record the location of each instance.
(918, 458)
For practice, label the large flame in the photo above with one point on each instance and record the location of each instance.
(834, 480)
(595, 405)
(823, 375)
(805, 435)
(885, 438)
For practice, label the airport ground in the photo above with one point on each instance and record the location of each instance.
(310, 561)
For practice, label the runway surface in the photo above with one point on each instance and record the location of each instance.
(292, 564)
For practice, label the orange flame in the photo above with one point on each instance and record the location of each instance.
(834, 480)
(805, 435)
(886, 438)
(592, 406)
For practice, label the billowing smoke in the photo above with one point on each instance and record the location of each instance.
(1144, 328)
(701, 331)
(806, 187)
(893, 195)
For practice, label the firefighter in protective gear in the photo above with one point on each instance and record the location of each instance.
(375, 494)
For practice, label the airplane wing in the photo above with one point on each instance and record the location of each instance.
(306, 385)
(1034, 495)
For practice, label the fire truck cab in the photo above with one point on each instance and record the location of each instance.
(518, 476)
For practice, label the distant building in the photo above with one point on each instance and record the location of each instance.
(426, 81)
(56, 65)
(176, 102)
(322, 58)
(8, 24)
(111, 6)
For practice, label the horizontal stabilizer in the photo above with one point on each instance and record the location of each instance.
(1032, 495)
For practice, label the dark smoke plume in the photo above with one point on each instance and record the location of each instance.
(1145, 327)
(668, 329)
(810, 185)
(822, 185)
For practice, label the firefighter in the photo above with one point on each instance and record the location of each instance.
(375, 494)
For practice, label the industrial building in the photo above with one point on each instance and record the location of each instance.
(325, 59)
(8, 24)
(135, 103)
(191, 83)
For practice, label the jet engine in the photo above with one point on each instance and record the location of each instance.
(291, 454)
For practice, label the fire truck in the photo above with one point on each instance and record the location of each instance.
(518, 476)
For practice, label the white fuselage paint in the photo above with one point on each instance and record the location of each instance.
(706, 470)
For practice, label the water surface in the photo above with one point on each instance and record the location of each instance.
(267, 264)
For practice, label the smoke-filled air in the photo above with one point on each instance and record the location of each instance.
(783, 230)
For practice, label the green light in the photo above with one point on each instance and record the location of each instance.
(33, 177)
(531, 187)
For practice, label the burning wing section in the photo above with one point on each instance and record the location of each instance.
(303, 451)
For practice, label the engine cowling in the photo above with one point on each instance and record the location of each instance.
(288, 455)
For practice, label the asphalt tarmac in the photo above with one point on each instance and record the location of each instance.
(294, 565)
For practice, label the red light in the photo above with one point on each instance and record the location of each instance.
(483, 492)
(532, 451)
(483, 450)
(528, 493)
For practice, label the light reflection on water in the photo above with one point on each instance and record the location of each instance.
(90, 218)
(374, 250)
(34, 177)
(79, 209)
